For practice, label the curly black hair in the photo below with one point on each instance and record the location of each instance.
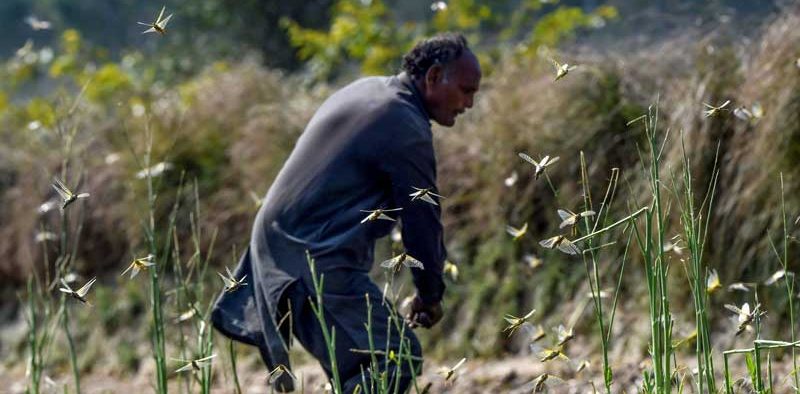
(440, 49)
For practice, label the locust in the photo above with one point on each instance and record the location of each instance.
(570, 219)
(159, 25)
(47, 206)
(532, 261)
(712, 111)
(437, 6)
(424, 195)
(755, 112)
(564, 335)
(712, 282)
(139, 264)
(517, 233)
(539, 384)
(739, 286)
(403, 259)
(535, 334)
(562, 69)
(194, 365)
(540, 165)
(778, 275)
(744, 315)
(44, 236)
(279, 371)
(688, 339)
(258, 201)
(742, 113)
(155, 170)
(37, 24)
(231, 283)
(79, 294)
(451, 269)
(379, 214)
(186, 315)
(601, 293)
(673, 247)
(449, 373)
(511, 179)
(67, 196)
(514, 322)
(561, 243)
(548, 354)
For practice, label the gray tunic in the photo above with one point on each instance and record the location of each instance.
(365, 148)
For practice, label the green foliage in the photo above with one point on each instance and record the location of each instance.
(562, 24)
(127, 357)
(40, 110)
(371, 35)
(462, 15)
(67, 63)
(106, 82)
(752, 369)
(358, 31)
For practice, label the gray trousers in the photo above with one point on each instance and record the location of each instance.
(345, 310)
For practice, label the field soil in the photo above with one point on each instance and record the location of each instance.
(508, 375)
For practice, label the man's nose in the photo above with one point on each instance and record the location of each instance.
(468, 103)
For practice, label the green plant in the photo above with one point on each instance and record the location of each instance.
(695, 231)
(604, 324)
(651, 244)
(328, 335)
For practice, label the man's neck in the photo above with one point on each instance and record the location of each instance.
(419, 85)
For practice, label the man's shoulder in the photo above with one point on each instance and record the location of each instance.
(383, 99)
(373, 85)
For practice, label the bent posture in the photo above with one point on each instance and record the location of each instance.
(367, 148)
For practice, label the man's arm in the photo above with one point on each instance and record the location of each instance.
(410, 162)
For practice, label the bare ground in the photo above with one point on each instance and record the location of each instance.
(508, 375)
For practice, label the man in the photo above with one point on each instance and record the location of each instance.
(366, 148)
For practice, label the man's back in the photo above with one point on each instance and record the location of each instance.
(343, 165)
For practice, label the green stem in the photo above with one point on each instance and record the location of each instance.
(329, 337)
(159, 347)
(232, 352)
(728, 384)
(759, 386)
(756, 349)
(33, 339)
(789, 285)
(613, 225)
(71, 342)
(373, 358)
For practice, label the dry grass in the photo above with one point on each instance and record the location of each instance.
(232, 127)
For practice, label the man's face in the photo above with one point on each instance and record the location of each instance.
(449, 90)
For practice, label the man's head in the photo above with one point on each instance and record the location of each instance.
(447, 74)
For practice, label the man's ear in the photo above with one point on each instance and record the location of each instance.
(434, 75)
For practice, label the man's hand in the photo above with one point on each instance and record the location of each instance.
(419, 314)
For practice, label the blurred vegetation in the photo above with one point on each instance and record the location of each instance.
(206, 29)
(370, 34)
(228, 90)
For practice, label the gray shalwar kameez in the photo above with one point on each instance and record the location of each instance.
(365, 148)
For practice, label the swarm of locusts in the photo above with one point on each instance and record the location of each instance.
(708, 280)
(547, 346)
